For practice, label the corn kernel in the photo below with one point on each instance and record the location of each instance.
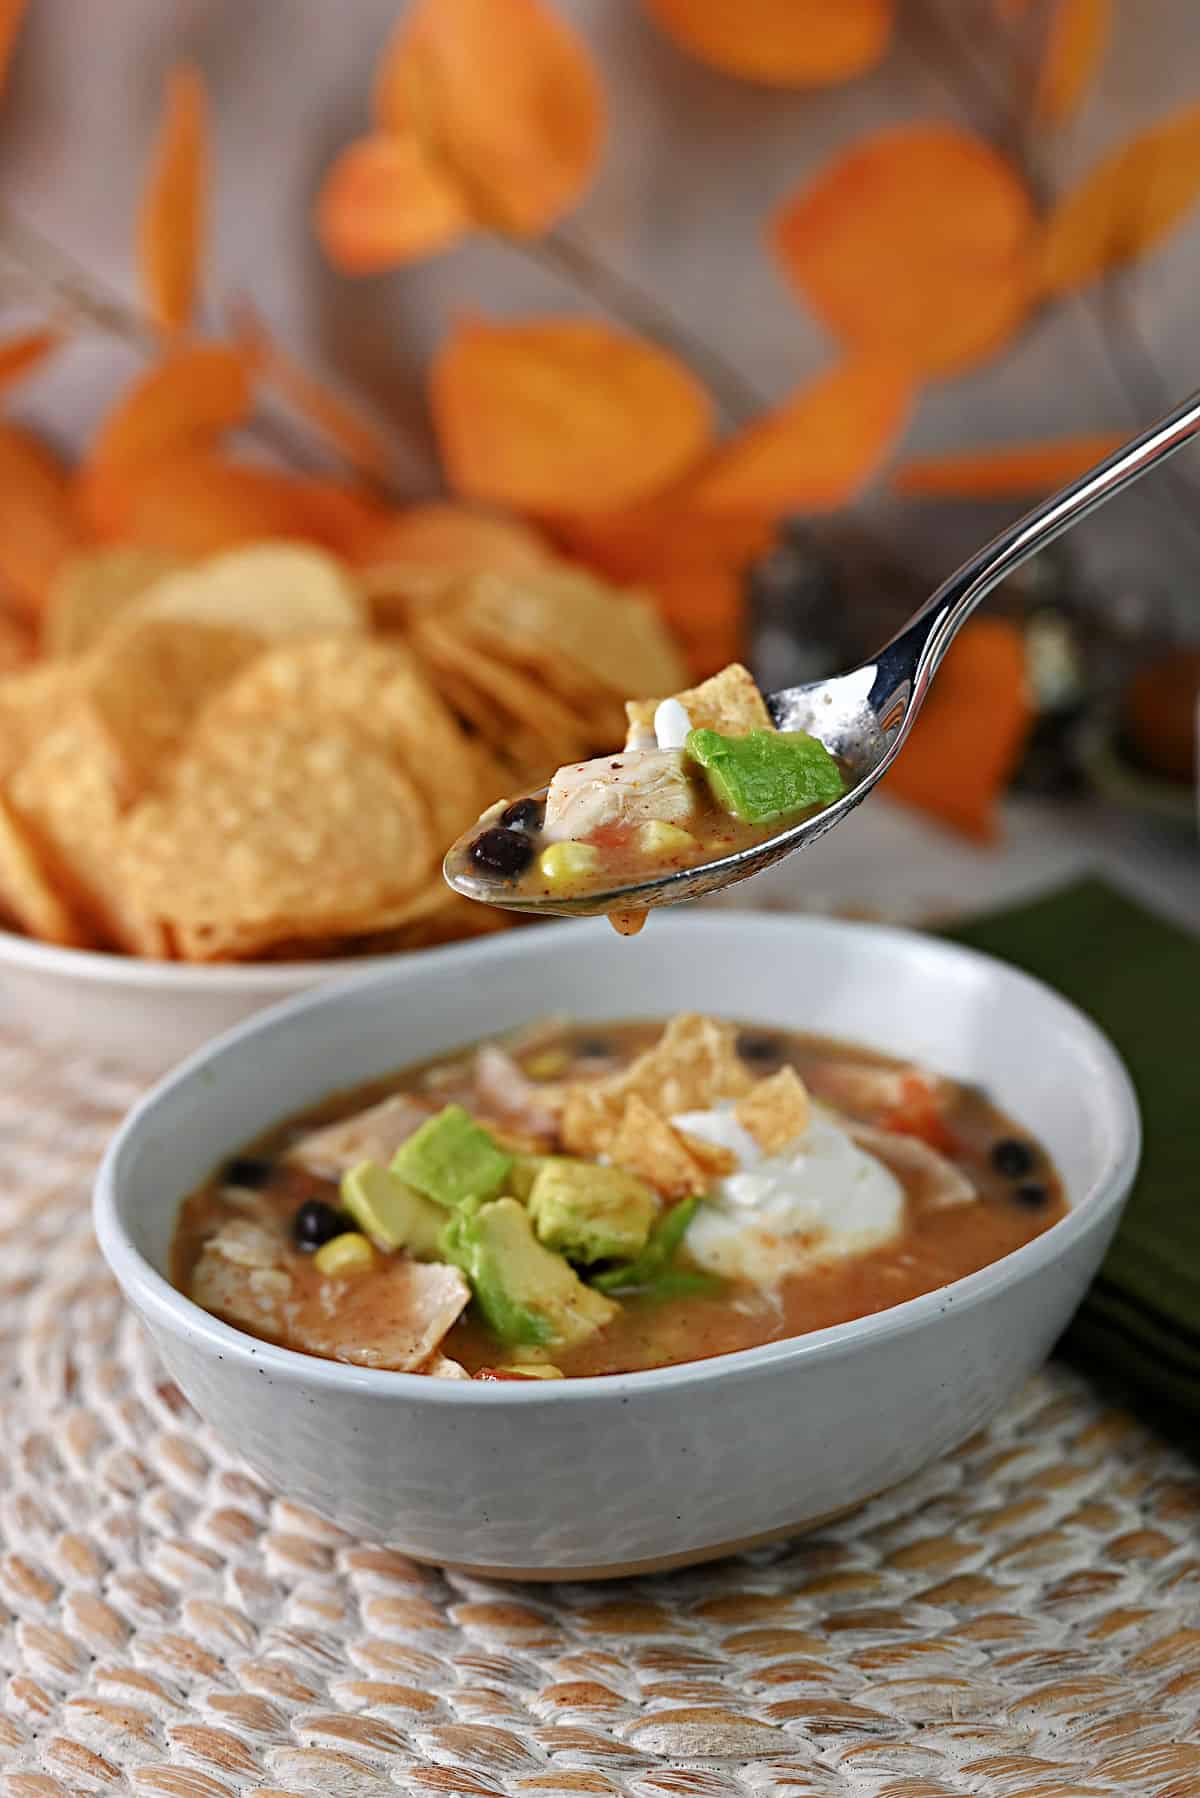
(529, 1372)
(658, 838)
(563, 863)
(349, 1253)
(547, 1065)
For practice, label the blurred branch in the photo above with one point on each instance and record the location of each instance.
(574, 263)
(49, 275)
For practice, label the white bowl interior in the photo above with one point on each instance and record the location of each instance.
(895, 991)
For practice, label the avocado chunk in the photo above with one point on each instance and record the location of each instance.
(591, 1213)
(392, 1214)
(524, 1171)
(767, 774)
(526, 1293)
(452, 1158)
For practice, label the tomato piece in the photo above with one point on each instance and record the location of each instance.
(919, 1114)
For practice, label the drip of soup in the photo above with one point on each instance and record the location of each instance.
(580, 1199)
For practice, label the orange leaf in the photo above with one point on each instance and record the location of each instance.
(18, 646)
(819, 449)
(22, 353)
(171, 220)
(1017, 470)
(37, 526)
(914, 240)
(1077, 39)
(185, 403)
(706, 610)
(972, 729)
(347, 430)
(198, 504)
(505, 97)
(563, 415)
(693, 564)
(786, 43)
(457, 538)
(11, 14)
(341, 517)
(384, 201)
(1130, 201)
(663, 533)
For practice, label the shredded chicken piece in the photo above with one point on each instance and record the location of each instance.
(634, 786)
(240, 1276)
(933, 1182)
(371, 1135)
(870, 1092)
(507, 1093)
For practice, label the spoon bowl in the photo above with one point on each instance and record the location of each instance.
(862, 717)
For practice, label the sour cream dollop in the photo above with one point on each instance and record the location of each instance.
(671, 724)
(820, 1199)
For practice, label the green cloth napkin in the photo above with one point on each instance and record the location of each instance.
(1139, 978)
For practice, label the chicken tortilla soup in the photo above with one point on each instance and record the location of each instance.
(596, 1199)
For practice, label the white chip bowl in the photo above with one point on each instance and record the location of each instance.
(140, 1013)
(597, 1477)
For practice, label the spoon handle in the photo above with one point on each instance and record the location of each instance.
(917, 649)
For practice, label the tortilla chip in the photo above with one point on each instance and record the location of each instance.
(693, 1063)
(27, 898)
(646, 1145)
(276, 831)
(378, 690)
(90, 591)
(571, 628)
(276, 589)
(775, 1111)
(396, 1319)
(397, 592)
(66, 792)
(32, 701)
(712, 1159)
(513, 698)
(729, 702)
(146, 680)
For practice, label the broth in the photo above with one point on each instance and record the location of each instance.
(1018, 1196)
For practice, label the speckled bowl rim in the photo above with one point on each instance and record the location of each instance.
(167, 1308)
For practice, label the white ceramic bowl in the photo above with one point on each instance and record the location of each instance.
(603, 1476)
(144, 1014)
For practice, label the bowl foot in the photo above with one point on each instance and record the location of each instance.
(695, 1557)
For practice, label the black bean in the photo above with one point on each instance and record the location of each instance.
(1031, 1194)
(764, 1050)
(315, 1222)
(595, 1048)
(523, 814)
(248, 1170)
(505, 852)
(1013, 1158)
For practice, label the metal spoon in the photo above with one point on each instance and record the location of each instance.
(863, 717)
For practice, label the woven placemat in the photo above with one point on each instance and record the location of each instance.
(1023, 1620)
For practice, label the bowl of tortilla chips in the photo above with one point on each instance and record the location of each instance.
(227, 780)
